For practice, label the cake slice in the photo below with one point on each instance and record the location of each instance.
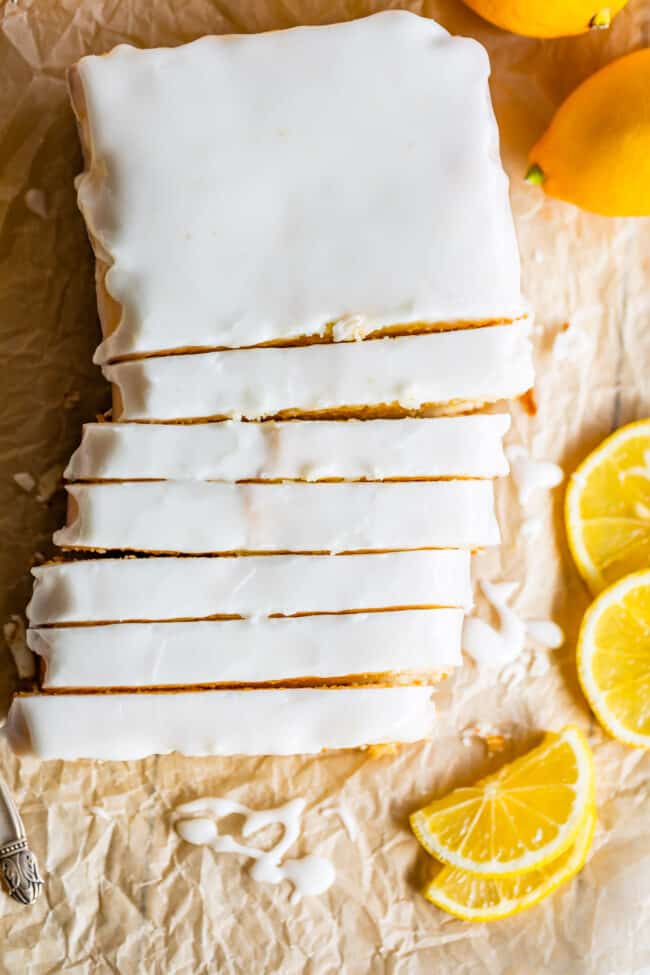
(213, 517)
(416, 646)
(110, 590)
(235, 722)
(326, 181)
(374, 450)
(441, 371)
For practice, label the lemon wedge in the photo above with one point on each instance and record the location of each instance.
(475, 898)
(614, 659)
(608, 508)
(518, 819)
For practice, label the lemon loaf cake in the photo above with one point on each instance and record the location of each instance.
(331, 180)
(291, 230)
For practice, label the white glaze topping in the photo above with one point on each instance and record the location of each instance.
(107, 590)
(462, 446)
(249, 651)
(198, 822)
(348, 172)
(205, 517)
(256, 722)
(469, 365)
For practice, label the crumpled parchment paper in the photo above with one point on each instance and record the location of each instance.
(123, 894)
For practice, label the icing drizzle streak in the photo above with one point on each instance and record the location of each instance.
(198, 822)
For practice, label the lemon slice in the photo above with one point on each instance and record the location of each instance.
(608, 508)
(614, 659)
(518, 819)
(475, 898)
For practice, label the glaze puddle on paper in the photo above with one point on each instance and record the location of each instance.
(197, 823)
(496, 648)
(531, 475)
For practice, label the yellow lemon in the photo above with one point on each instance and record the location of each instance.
(596, 151)
(475, 898)
(518, 819)
(607, 509)
(547, 18)
(614, 659)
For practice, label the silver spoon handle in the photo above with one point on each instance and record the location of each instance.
(18, 866)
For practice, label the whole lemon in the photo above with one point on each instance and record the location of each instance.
(547, 18)
(596, 151)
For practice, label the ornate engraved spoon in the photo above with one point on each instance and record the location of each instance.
(18, 866)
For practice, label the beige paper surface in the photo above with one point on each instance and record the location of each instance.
(123, 893)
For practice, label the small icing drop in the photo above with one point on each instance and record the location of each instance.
(308, 874)
(498, 648)
(569, 344)
(531, 475)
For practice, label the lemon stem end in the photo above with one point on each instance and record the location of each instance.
(535, 175)
(601, 20)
